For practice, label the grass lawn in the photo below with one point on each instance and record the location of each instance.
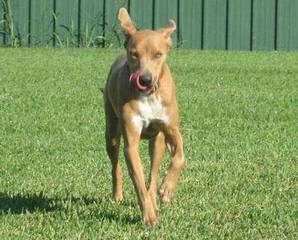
(239, 121)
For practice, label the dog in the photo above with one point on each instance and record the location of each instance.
(140, 103)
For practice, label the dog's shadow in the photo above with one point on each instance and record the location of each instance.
(20, 203)
(38, 202)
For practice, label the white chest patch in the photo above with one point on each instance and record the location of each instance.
(149, 109)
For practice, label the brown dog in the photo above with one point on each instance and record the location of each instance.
(140, 102)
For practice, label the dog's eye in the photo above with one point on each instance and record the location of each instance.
(158, 55)
(134, 56)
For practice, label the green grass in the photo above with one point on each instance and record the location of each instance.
(239, 114)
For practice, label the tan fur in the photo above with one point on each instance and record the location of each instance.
(150, 114)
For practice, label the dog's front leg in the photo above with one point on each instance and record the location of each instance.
(156, 151)
(133, 161)
(175, 145)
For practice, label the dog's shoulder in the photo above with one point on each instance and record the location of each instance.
(118, 66)
(120, 61)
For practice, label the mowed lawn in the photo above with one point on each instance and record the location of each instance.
(239, 121)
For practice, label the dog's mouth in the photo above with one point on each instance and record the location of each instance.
(135, 77)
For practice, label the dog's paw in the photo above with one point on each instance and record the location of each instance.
(166, 191)
(149, 214)
(150, 219)
(117, 197)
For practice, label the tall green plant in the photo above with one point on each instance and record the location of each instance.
(8, 21)
(90, 38)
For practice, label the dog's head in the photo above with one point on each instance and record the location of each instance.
(146, 50)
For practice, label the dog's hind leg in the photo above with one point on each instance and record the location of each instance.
(156, 151)
(112, 135)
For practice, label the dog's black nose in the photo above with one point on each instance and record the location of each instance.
(145, 80)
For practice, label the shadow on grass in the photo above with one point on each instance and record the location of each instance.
(20, 203)
(113, 217)
(38, 202)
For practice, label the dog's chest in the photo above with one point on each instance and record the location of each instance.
(151, 114)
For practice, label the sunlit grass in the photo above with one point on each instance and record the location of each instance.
(239, 114)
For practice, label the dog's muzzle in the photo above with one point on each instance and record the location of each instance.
(141, 80)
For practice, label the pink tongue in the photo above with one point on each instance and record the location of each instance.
(136, 77)
(139, 85)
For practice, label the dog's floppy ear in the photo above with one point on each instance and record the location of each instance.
(126, 24)
(169, 29)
